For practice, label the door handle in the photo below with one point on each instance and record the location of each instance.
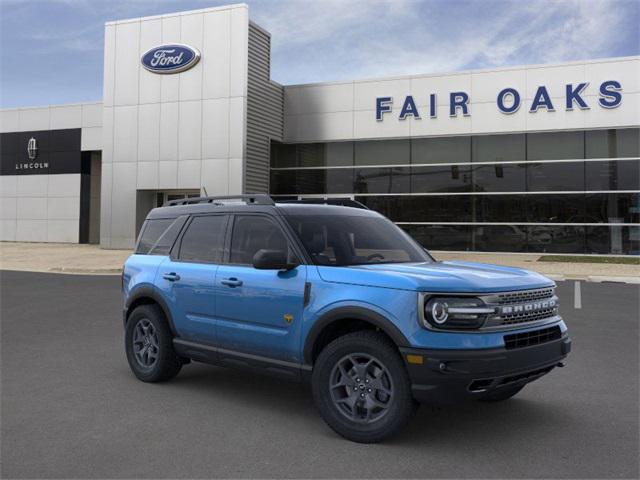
(172, 277)
(231, 282)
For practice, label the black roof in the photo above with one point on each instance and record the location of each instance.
(260, 203)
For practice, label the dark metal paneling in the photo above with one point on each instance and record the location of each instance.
(85, 198)
(265, 117)
(58, 152)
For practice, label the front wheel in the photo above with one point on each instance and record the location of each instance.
(361, 387)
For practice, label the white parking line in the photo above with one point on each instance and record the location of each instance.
(577, 297)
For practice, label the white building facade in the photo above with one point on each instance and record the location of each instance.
(538, 158)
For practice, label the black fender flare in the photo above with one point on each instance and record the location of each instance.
(152, 294)
(351, 313)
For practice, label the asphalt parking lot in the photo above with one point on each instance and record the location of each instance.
(71, 408)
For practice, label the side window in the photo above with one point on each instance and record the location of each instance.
(204, 239)
(165, 242)
(252, 233)
(151, 232)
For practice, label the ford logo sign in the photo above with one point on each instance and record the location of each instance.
(173, 58)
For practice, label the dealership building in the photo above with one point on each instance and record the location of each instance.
(541, 158)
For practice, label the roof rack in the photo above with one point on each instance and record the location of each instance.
(257, 199)
(343, 202)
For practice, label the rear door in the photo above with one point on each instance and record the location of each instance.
(187, 278)
(259, 311)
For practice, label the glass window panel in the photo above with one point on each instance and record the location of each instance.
(382, 152)
(203, 240)
(311, 182)
(568, 208)
(613, 143)
(285, 183)
(499, 178)
(499, 148)
(389, 206)
(310, 154)
(613, 240)
(382, 180)
(339, 154)
(499, 208)
(613, 208)
(252, 233)
(339, 180)
(564, 176)
(441, 237)
(283, 155)
(441, 150)
(421, 208)
(500, 238)
(152, 231)
(352, 240)
(164, 243)
(445, 178)
(556, 239)
(436, 208)
(555, 145)
(613, 175)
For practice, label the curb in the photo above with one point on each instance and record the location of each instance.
(87, 271)
(593, 278)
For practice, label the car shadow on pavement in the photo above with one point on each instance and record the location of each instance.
(445, 426)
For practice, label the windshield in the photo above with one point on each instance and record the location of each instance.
(355, 240)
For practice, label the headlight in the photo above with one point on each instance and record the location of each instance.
(455, 312)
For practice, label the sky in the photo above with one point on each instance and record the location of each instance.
(51, 51)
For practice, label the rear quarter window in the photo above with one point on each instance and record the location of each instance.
(158, 235)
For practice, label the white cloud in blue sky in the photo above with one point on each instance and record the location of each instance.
(51, 51)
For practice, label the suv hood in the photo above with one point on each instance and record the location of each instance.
(452, 277)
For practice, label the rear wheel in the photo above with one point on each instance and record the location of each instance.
(502, 394)
(361, 387)
(149, 345)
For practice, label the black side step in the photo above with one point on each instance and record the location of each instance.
(200, 352)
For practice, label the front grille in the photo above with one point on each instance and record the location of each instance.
(528, 317)
(536, 337)
(526, 296)
(524, 307)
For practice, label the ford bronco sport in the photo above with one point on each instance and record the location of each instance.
(336, 295)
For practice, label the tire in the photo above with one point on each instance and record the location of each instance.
(147, 329)
(502, 394)
(369, 409)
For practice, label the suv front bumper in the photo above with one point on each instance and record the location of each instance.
(450, 376)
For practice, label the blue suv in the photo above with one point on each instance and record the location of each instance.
(335, 294)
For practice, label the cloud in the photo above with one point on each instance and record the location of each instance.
(321, 40)
(342, 40)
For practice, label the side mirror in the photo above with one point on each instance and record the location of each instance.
(272, 260)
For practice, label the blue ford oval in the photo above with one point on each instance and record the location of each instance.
(173, 58)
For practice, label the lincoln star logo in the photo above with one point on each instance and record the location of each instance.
(32, 154)
(172, 58)
(32, 148)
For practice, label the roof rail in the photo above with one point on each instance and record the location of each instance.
(257, 199)
(343, 202)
